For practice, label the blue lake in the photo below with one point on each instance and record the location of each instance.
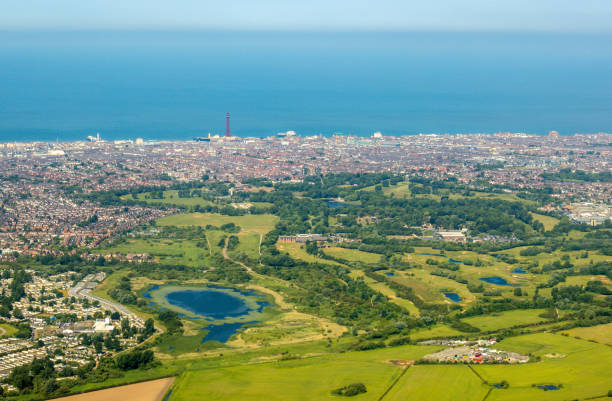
(452, 296)
(209, 303)
(498, 281)
(454, 260)
(389, 274)
(214, 303)
(519, 270)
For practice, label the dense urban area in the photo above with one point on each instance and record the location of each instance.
(376, 267)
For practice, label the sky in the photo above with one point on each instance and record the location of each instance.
(573, 16)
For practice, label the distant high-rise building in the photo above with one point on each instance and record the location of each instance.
(227, 125)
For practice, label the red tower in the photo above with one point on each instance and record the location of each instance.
(227, 126)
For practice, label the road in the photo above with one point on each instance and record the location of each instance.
(82, 288)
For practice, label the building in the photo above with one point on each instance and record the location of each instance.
(302, 238)
(455, 236)
(103, 326)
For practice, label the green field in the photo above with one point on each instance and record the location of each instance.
(352, 255)
(297, 251)
(437, 331)
(548, 222)
(170, 198)
(7, 330)
(581, 367)
(171, 251)
(305, 379)
(258, 223)
(502, 320)
(601, 334)
(439, 383)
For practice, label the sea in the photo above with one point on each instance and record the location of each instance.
(179, 85)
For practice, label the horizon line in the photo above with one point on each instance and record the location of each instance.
(305, 30)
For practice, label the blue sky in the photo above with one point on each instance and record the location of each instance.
(588, 16)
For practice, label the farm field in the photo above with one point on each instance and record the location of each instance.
(153, 390)
(601, 334)
(580, 367)
(296, 380)
(439, 383)
(496, 321)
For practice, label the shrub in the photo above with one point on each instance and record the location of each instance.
(350, 390)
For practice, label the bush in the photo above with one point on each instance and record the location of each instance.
(351, 390)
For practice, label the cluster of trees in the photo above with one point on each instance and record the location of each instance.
(122, 292)
(567, 174)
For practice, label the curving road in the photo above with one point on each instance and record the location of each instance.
(82, 289)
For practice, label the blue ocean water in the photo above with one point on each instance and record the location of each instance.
(164, 85)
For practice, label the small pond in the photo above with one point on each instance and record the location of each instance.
(389, 274)
(519, 270)
(548, 387)
(454, 260)
(452, 296)
(498, 281)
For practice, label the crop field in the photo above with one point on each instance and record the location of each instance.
(601, 334)
(439, 383)
(257, 223)
(502, 320)
(153, 390)
(304, 379)
(580, 367)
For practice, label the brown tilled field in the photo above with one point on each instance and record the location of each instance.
(153, 390)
